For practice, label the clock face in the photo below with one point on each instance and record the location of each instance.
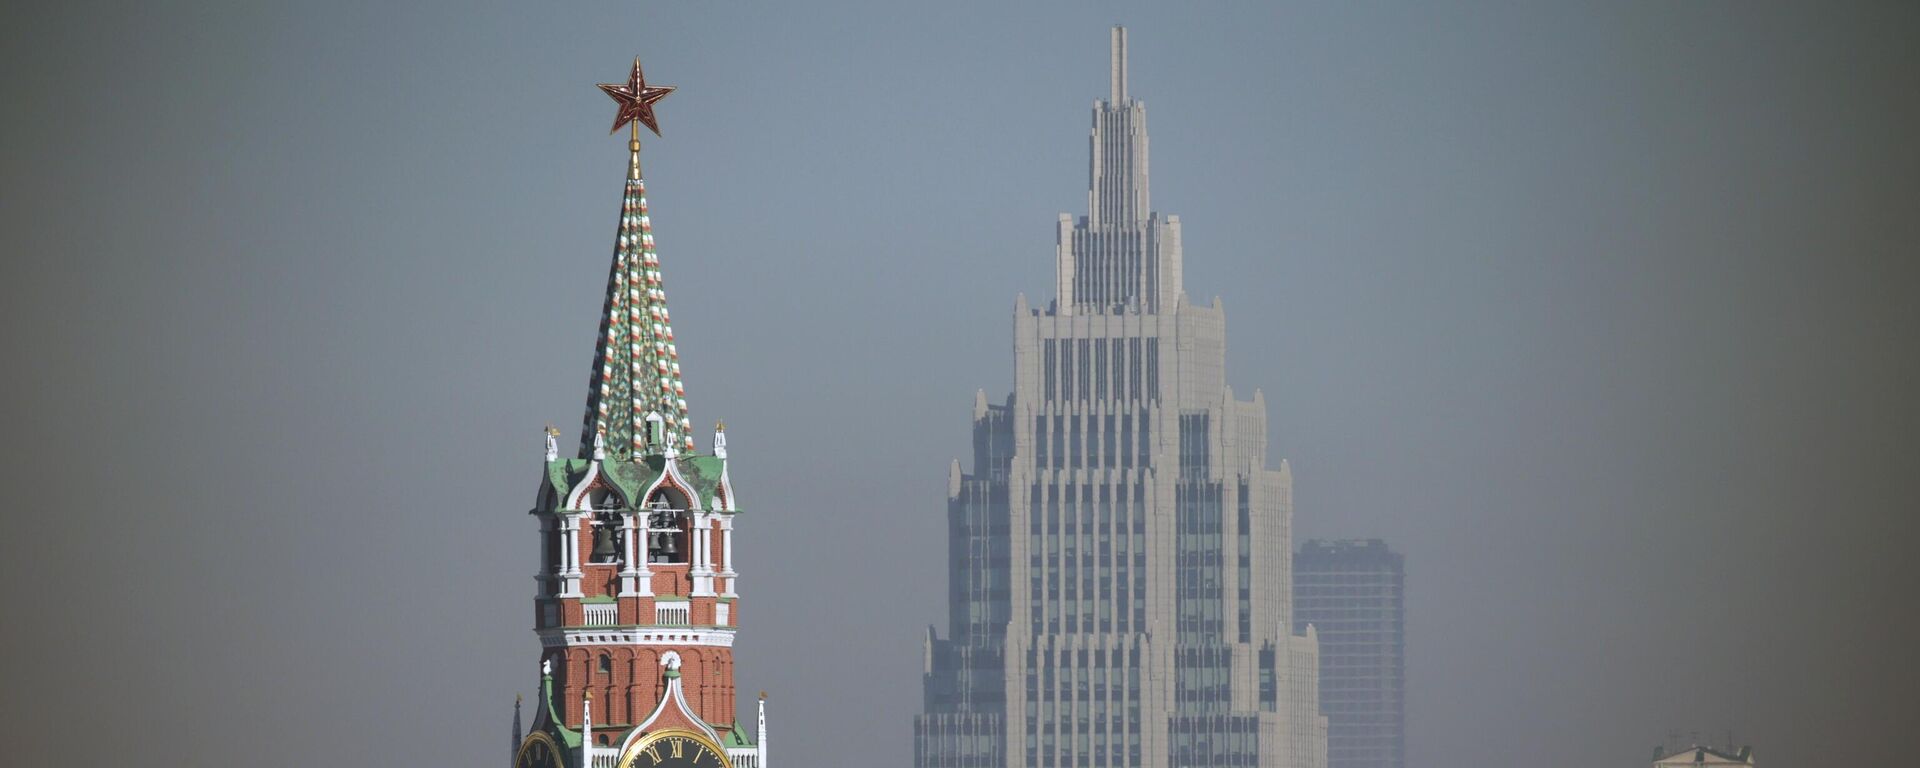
(675, 749)
(538, 751)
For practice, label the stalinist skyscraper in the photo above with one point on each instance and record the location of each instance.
(1119, 587)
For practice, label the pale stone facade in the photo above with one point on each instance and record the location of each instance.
(1120, 553)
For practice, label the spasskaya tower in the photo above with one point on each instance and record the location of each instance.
(636, 605)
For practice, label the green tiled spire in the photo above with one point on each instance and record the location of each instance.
(636, 367)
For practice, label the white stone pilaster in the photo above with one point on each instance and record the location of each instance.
(644, 519)
(727, 574)
(570, 555)
(631, 583)
(701, 567)
(586, 726)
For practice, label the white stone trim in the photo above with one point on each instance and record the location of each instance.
(583, 636)
(672, 470)
(586, 728)
(701, 567)
(600, 614)
(578, 495)
(673, 613)
(726, 574)
(635, 578)
(570, 573)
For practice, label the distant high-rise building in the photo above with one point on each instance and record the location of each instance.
(1354, 594)
(1119, 552)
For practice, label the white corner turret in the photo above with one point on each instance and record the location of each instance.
(586, 729)
(760, 744)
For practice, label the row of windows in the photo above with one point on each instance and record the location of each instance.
(1214, 741)
(1068, 697)
(980, 595)
(1202, 679)
(1197, 561)
(1123, 369)
(1105, 724)
(1088, 558)
(964, 740)
(1092, 441)
(1084, 758)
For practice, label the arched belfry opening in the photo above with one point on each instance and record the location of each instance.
(669, 527)
(608, 533)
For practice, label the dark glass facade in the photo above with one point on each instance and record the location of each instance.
(1354, 595)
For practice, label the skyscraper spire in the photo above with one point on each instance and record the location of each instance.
(1121, 257)
(636, 365)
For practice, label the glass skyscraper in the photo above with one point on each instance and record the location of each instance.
(1354, 594)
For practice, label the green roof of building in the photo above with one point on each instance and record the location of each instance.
(734, 737)
(631, 477)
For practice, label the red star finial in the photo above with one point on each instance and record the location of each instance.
(636, 100)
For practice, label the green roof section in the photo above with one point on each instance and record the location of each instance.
(556, 725)
(735, 738)
(631, 477)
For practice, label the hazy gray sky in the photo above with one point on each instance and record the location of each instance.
(1603, 315)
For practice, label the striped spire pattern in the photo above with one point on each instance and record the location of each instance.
(637, 367)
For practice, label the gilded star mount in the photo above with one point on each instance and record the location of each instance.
(636, 100)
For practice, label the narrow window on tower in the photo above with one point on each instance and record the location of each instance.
(1099, 369)
(606, 665)
(1153, 370)
(1244, 519)
(1073, 441)
(1133, 369)
(1066, 370)
(1059, 441)
(1040, 443)
(1144, 444)
(1048, 361)
(607, 506)
(1108, 450)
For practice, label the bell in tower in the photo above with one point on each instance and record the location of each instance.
(604, 550)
